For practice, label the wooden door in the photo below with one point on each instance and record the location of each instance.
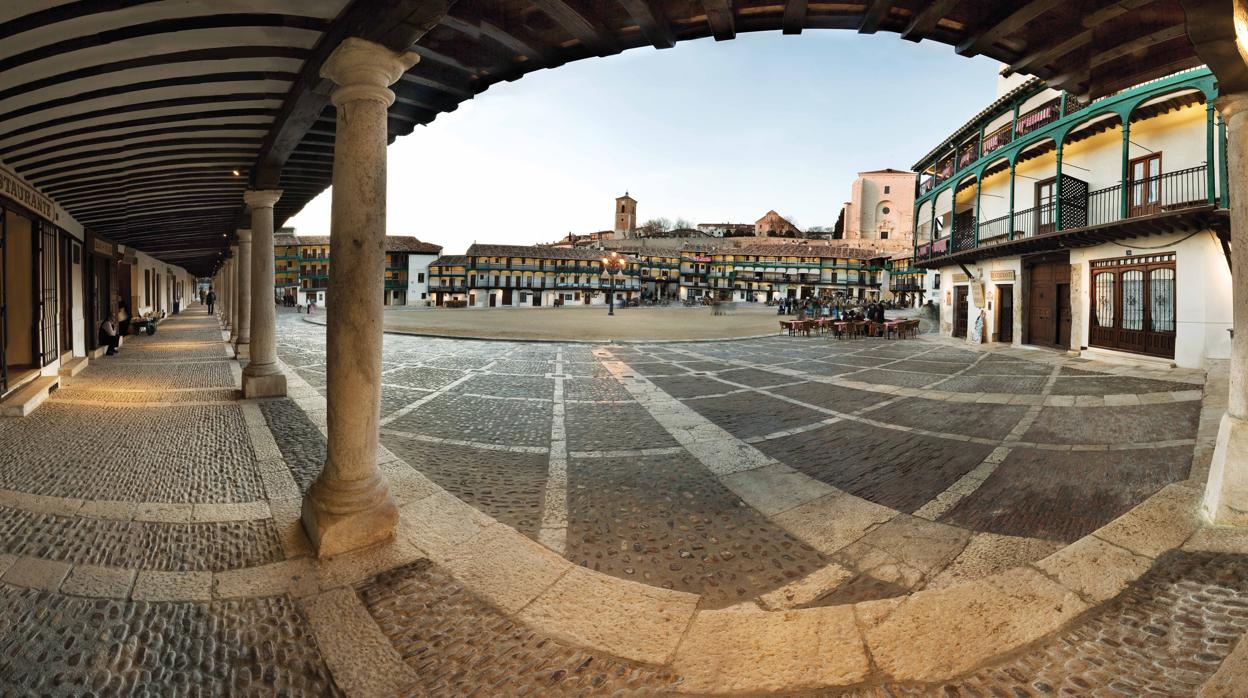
(1145, 191)
(506, 296)
(960, 310)
(1041, 301)
(1005, 313)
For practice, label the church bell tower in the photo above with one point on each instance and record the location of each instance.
(625, 216)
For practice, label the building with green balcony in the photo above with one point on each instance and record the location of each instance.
(1097, 227)
(762, 273)
(302, 268)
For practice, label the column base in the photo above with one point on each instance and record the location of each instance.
(271, 385)
(1226, 494)
(334, 531)
(242, 350)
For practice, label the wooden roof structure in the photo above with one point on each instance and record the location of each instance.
(147, 119)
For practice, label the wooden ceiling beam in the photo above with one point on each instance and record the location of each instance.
(397, 24)
(582, 26)
(875, 13)
(1019, 17)
(653, 23)
(794, 16)
(925, 21)
(720, 16)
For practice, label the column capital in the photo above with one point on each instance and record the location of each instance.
(1231, 105)
(244, 234)
(362, 69)
(261, 198)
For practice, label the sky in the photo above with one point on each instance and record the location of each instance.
(707, 131)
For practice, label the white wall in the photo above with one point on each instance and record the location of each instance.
(418, 269)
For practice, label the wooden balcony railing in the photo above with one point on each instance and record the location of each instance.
(1039, 117)
(999, 138)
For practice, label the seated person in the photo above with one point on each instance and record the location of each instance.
(108, 336)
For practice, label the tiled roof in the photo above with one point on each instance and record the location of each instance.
(888, 170)
(821, 251)
(407, 243)
(986, 113)
(533, 252)
(394, 243)
(450, 260)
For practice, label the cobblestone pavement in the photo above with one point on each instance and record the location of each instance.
(150, 540)
(1013, 444)
(120, 498)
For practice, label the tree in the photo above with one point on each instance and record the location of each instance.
(793, 222)
(681, 224)
(655, 226)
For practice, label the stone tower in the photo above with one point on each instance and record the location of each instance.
(625, 216)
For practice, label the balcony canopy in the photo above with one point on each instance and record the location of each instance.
(147, 119)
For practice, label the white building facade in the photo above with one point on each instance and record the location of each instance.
(1096, 228)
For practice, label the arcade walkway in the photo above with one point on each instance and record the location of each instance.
(772, 515)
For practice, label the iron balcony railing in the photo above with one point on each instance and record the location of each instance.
(1166, 193)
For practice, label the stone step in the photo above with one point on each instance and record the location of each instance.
(25, 399)
(73, 366)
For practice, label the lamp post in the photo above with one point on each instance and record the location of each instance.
(612, 264)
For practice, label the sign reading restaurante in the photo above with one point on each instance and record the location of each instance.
(25, 195)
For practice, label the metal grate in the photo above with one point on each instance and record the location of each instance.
(50, 316)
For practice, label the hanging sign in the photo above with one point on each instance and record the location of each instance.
(26, 195)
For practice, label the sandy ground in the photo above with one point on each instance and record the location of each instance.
(587, 324)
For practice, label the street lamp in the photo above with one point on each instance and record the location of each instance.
(612, 264)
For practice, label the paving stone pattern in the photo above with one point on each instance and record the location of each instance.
(506, 485)
(458, 646)
(138, 454)
(484, 437)
(301, 443)
(665, 521)
(1065, 495)
(59, 645)
(179, 547)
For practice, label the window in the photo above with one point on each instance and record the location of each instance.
(885, 210)
(887, 189)
(1046, 198)
(420, 277)
(936, 281)
(423, 296)
(884, 233)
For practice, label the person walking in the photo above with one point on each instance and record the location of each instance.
(212, 300)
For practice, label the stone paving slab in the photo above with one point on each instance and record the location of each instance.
(455, 644)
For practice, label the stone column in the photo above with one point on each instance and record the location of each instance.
(234, 315)
(261, 377)
(349, 506)
(242, 343)
(225, 301)
(1226, 495)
